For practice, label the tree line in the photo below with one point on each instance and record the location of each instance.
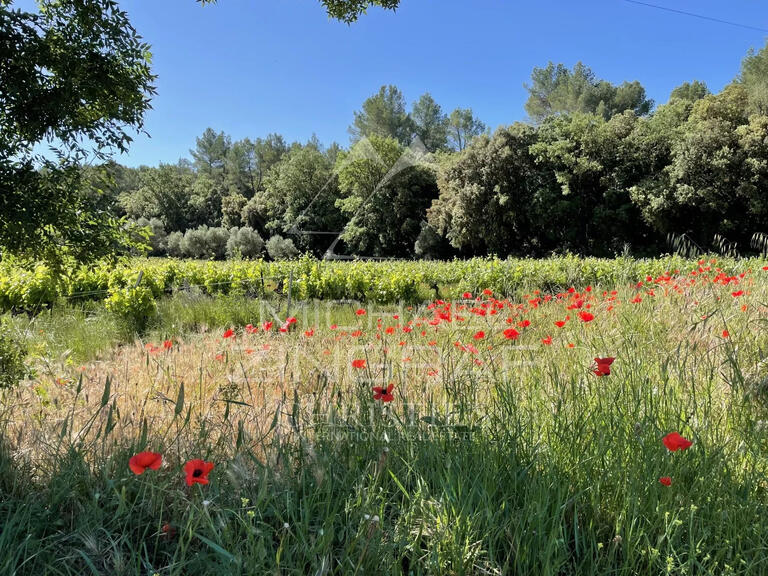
(598, 169)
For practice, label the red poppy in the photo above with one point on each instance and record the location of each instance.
(383, 394)
(309, 333)
(358, 363)
(488, 292)
(143, 460)
(586, 316)
(479, 335)
(267, 326)
(726, 334)
(674, 442)
(360, 312)
(197, 471)
(333, 326)
(666, 480)
(524, 323)
(167, 344)
(228, 333)
(511, 334)
(251, 329)
(547, 341)
(560, 323)
(603, 366)
(737, 294)
(467, 295)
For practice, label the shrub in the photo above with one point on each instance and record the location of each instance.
(12, 356)
(216, 242)
(244, 243)
(135, 305)
(173, 244)
(280, 248)
(193, 244)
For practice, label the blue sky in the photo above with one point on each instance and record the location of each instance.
(250, 67)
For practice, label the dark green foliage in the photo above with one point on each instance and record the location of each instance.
(386, 190)
(74, 72)
(300, 199)
(488, 196)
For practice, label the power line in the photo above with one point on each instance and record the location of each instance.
(700, 16)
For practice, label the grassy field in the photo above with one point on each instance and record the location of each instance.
(476, 435)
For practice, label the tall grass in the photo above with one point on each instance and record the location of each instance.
(511, 457)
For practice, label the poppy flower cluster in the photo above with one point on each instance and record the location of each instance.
(195, 471)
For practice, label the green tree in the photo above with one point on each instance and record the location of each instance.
(711, 183)
(267, 153)
(210, 154)
(690, 91)
(383, 114)
(488, 195)
(74, 73)
(754, 79)
(300, 199)
(429, 123)
(463, 128)
(164, 193)
(591, 211)
(386, 191)
(241, 168)
(555, 89)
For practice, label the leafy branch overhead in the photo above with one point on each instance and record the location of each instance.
(345, 10)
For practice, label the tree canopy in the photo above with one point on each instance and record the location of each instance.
(76, 78)
(598, 170)
(555, 89)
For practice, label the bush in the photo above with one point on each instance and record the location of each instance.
(280, 248)
(193, 244)
(216, 242)
(135, 305)
(12, 356)
(244, 243)
(173, 244)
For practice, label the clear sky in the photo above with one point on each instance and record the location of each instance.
(250, 67)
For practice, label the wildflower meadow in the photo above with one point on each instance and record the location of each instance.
(597, 429)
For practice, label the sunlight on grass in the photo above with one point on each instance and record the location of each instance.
(467, 437)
